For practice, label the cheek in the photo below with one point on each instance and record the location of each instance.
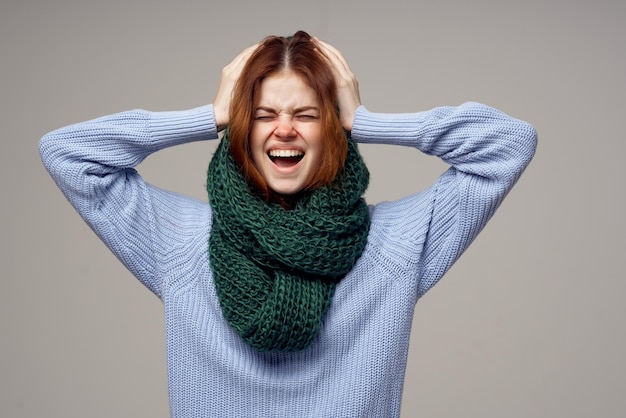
(256, 141)
(315, 139)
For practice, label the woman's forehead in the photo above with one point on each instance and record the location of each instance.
(286, 90)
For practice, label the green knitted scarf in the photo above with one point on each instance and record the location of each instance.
(275, 270)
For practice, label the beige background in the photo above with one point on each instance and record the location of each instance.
(528, 323)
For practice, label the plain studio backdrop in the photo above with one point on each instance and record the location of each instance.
(528, 323)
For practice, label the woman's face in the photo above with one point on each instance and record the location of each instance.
(285, 139)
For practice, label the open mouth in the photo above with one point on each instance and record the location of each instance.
(285, 158)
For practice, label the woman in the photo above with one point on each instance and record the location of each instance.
(301, 302)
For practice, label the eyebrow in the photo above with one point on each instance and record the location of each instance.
(296, 110)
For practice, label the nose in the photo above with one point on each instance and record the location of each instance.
(284, 127)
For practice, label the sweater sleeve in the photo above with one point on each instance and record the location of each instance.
(487, 152)
(93, 165)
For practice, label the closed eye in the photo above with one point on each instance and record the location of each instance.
(306, 117)
(264, 117)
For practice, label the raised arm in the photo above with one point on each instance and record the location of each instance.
(93, 165)
(94, 162)
(487, 151)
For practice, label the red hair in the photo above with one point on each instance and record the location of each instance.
(296, 54)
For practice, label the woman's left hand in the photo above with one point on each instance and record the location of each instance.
(348, 97)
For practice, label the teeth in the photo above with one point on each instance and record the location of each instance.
(285, 153)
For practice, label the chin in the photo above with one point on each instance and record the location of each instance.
(286, 191)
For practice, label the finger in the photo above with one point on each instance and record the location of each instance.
(230, 75)
(334, 55)
(240, 60)
(339, 65)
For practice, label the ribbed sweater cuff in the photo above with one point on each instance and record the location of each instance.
(178, 127)
(386, 128)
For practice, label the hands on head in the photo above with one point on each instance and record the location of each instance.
(230, 75)
(348, 97)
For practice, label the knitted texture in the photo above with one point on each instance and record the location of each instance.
(275, 269)
(356, 365)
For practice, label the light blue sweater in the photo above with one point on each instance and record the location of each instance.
(356, 366)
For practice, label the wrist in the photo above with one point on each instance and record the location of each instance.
(221, 118)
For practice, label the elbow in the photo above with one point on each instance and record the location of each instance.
(53, 153)
(46, 146)
(518, 134)
(508, 144)
(527, 139)
(520, 150)
(517, 138)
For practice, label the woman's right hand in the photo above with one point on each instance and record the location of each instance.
(230, 75)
